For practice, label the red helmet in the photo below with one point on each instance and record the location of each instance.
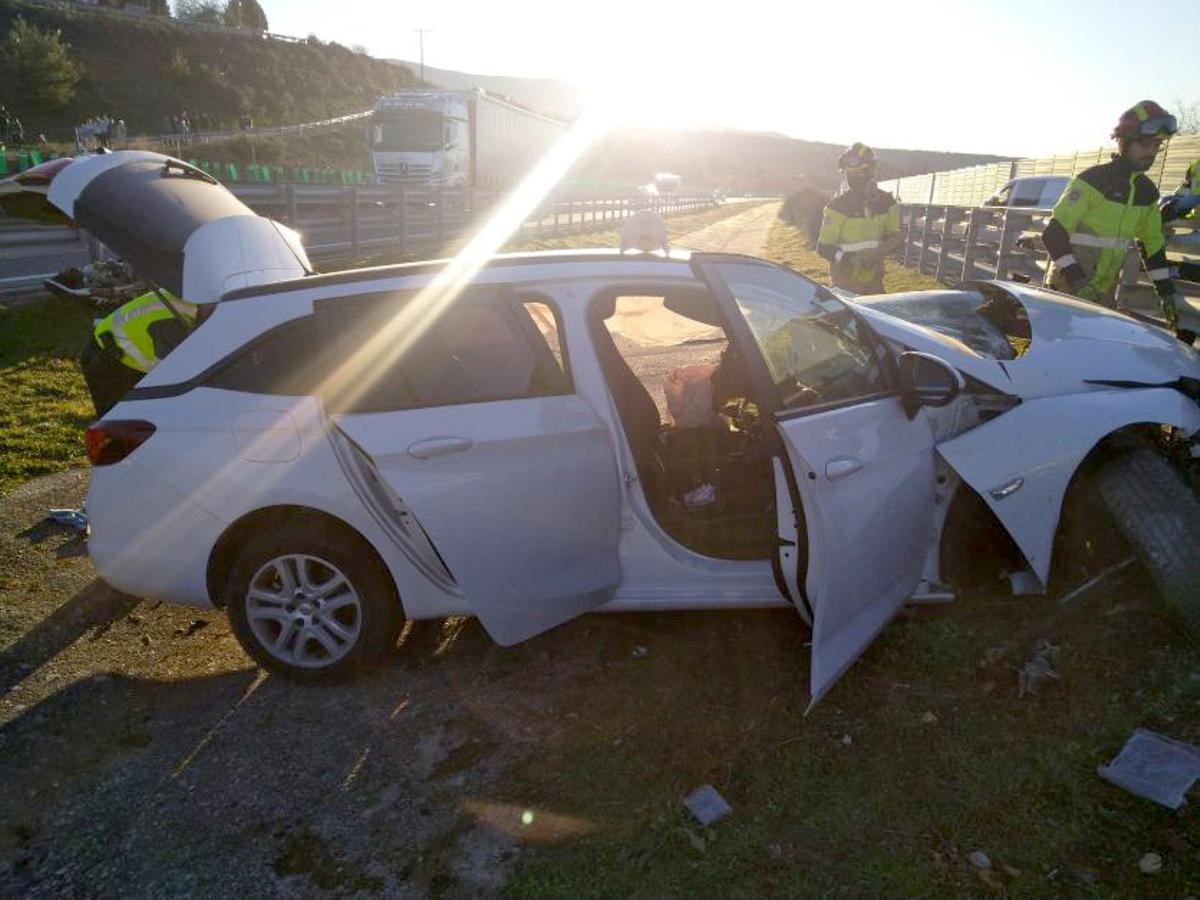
(857, 156)
(1146, 119)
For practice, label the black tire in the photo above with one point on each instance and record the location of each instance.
(1159, 515)
(376, 614)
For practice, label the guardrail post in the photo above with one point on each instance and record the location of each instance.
(402, 222)
(439, 218)
(355, 244)
(293, 208)
(970, 248)
(554, 229)
(926, 233)
(1009, 231)
(950, 218)
(910, 235)
(570, 213)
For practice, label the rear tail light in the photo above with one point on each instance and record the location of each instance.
(109, 442)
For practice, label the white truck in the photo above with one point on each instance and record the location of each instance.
(437, 138)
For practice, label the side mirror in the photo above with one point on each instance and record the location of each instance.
(927, 380)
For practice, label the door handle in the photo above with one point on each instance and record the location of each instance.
(840, 468)
(439, 446)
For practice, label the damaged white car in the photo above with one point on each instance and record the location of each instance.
(533, 437)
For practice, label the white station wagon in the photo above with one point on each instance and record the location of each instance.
(543, 435)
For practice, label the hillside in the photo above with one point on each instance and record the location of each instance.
(741, 161)
(142, 70)
(550, 96)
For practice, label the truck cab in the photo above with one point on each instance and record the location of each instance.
(421, 138)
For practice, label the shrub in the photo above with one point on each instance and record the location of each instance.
(36, 68)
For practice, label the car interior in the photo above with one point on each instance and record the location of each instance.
(702, 452)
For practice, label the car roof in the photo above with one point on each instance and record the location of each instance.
(430, 267)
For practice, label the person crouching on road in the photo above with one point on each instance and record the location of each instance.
(1105, 208)
(129, 342)
(860, 226)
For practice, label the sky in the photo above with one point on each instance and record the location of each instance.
(1014, 78)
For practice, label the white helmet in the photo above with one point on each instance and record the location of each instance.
(645, 231)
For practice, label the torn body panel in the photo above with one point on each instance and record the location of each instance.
(1021, 462)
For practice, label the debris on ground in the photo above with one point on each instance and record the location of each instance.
(72, 518)
(847, 740)
(979, 859)
(1150, 864)
(639, 651)
(1092, 582)
(1155, 767)
(1038, 670)
(930, 718)
(1025, 583)
(706, 804)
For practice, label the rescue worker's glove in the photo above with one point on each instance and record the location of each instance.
(1077, 279)
(1166, 298)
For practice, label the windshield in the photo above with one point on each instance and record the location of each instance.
(399, 130)
(993, 324)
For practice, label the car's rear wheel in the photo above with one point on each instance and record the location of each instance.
(309, 604)
(1159, 516)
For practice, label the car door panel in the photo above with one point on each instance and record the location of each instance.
(520, 498)
(869, 526)
(864, 469)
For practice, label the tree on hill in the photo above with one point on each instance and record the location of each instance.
(245, 14)
(36, 68)
(208, 12)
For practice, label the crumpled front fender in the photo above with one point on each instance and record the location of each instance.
(1021, 462)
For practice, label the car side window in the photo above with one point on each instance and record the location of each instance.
(289, 360)
(816, 349)
(1001, 198)
(473, 352)
(1028, 192)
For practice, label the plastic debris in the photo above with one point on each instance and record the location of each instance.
(640, 652)
(707, 805)
(1150, 864)
(1092, 582)
(1038, 670)
(979, 860)
(930, 718)
(73, 518)
(1024, 583)
(1156, 767)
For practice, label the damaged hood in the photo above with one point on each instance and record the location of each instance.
(1065, 346)
(176, 225)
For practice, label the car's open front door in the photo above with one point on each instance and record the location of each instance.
(864, 469)
(511, 474)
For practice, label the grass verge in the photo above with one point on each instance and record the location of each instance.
(46, 405)
(787, 244)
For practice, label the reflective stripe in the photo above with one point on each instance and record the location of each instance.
(1159, 274)
(861, 245)
(1095, 240)
(1067, 259)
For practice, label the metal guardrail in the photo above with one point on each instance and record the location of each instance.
(957, 243)
(343, 224)
(177, 141)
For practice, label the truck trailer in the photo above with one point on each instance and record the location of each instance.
(436, 138)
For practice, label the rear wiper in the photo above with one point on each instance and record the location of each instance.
(179, 168)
